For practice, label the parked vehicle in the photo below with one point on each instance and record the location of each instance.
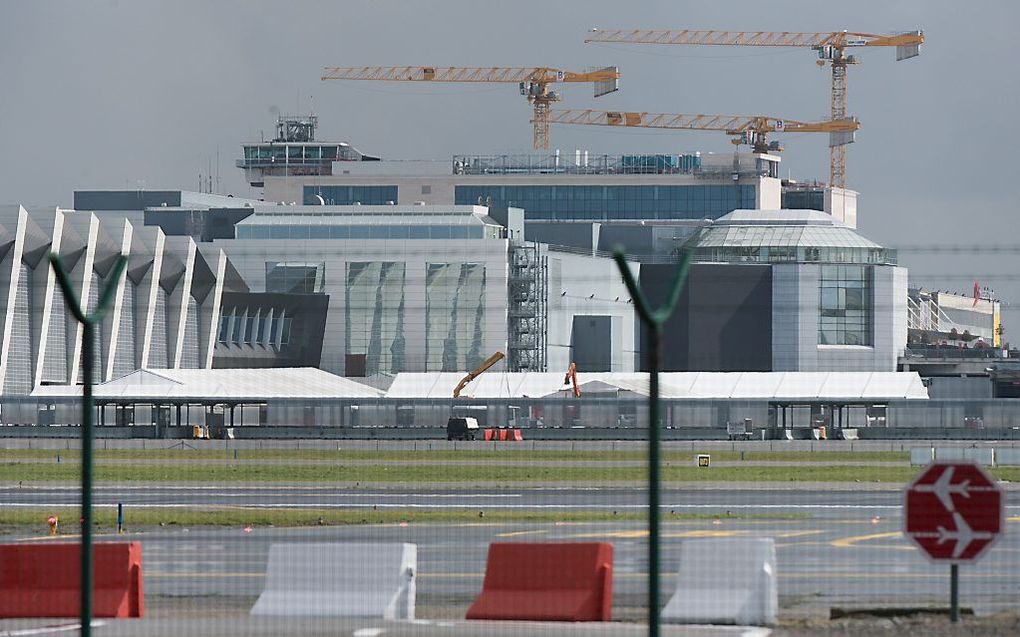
(458, 428)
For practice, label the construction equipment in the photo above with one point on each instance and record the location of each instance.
(533, 83)
(474, 373)
(830, 46)
(571, 378)
(752, 130)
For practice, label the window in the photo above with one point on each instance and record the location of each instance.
(347, 195)
(224, 328)
(285, 330)
(845, 307)
(294, 277)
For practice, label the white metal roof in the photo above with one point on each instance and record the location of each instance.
(775, 386)
(227, 384)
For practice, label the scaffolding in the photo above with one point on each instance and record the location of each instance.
(528, 309)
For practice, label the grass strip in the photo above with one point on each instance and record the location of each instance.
(494, 474)
(447, 455)
(138, 517)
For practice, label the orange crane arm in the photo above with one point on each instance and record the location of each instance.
(571, 377)
(466, 74)
(732, 124)
(838, 39)
(474, 373)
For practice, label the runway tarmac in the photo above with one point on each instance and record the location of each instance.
(850, 559)
(848, 553)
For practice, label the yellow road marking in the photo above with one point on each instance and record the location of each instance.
(517, 533)
(849, 542)
(712, 533)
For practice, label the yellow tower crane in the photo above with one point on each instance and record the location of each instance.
(831, 46)
(533, 83)
(752, 130)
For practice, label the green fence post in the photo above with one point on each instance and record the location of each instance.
(88, 324)
(654, 319)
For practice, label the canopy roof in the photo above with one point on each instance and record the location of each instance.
(773, 386)
(242, 385)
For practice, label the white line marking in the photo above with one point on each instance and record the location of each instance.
(413, 505)
(46, 630)
(339, 495)
(368, 632)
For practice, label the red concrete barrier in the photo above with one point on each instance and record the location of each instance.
(518, 436)
(42, 580)
(547, 582)
(503, 435)
(489, 435)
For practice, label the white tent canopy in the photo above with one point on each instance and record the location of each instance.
(242, 385)
(773, 386)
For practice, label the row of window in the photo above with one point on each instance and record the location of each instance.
(349, 195)
(803, 199)
(613, 202)
(370, 232)
(264, 327)
(282, 153)
(773, 254)
(696, 193)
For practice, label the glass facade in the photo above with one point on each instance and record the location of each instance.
(191, 350)
(158, 347)
(267, 327)
(803, 199)
(255, 231)
(768, 243)
(291, 277)
(282, 152)
(845, 305)
(454, 316)
(614, 202)
(55, 363)
(375, 314)
(19, 358)
(124, 362)
(348, 195)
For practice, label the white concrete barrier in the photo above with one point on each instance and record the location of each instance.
(1007, 456)
(921, 456)
(340, 580)
(981, 455)
(725, 581)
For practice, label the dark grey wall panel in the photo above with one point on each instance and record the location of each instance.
(591, 343)
(722, 323)
(125, 199)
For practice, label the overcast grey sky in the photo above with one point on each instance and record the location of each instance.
(133, 93)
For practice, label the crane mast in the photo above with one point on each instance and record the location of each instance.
(831, 47)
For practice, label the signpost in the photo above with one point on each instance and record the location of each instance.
(954, 512)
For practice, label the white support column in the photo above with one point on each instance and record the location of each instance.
(177, 311)
(84, 269)
(52, 299)
(149, 286)
(111, 325)
(209, 312)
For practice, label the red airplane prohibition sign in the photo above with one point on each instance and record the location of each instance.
(954, 511)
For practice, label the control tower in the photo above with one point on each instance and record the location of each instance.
(294, 152)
